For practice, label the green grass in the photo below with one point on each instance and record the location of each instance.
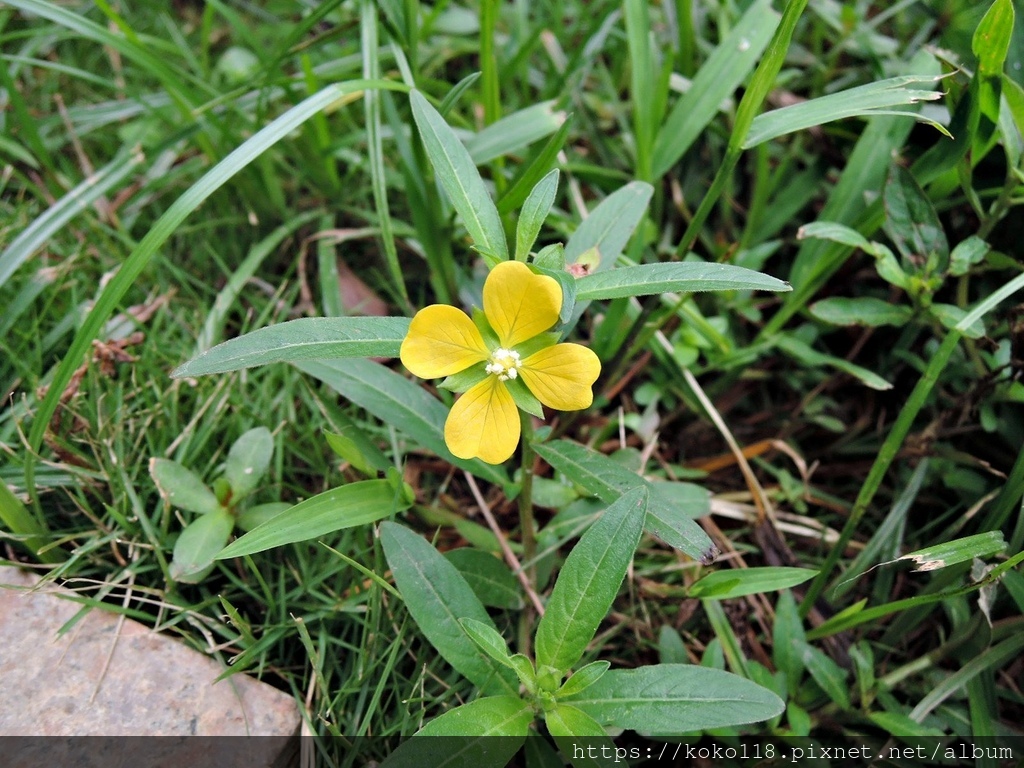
(116, 118)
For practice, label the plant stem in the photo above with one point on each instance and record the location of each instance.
(528, 530)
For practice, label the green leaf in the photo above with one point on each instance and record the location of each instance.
(864, 310)
(951, 316)
(252, 517)
(198, 545)
(583, 678)
(437, 596)
(309, 338)
(911, 220)
(967, 254)
(397, 401)
(676, 698)
(610, 225)
(737, 582)
(182, 487)
(514, 132)
(802, 352)
(459, 178)
(37, 234)
(717, 79)
(248, 461)
(827, 674)
(211, 181)
(957, 551)
(565, 720)
(489, 577)
(355, 504)
(647, 279)
(589, 581)
(864, 100)
(488, 640)
(485, 732)
(351, 444)
(787, 634)
(608, 480)
(535, 210)
(991, 41)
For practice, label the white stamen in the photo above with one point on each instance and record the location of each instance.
(504, 364)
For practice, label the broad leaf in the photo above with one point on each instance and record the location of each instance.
(676, 698)
(485, 732)
(565, 720)
(309, 338)
(437, 596)
(911, 220)
(248, 460)
(198, 545)
(608, 480)
(334, 510)
(690, 277)
(182, 487)
(583, 678)
(737, 582)
(589, 581)
(459, 178)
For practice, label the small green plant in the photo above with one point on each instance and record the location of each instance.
(219, 508)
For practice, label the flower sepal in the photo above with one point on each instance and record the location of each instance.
(524, 398)
(463, 380)
(489, 336)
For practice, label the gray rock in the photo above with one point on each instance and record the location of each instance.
(109, 676)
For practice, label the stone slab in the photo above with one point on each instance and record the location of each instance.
(153, 685)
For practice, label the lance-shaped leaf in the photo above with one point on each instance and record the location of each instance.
(459, 178)
(957, 551)
(395, 400)
(345, 507)
(309, 338)
(608, 480)
(485, 732)
(589, 581)
(437, 596)
(535, 210)
(690, 277)
(676, 698)
(737, 582)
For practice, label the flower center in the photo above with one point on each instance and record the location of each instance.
(504, 364)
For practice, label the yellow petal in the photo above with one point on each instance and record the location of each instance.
(561, 376)
(483, 423)
(520, 304)
(442, 340)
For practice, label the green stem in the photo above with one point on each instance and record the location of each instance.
(527, 528)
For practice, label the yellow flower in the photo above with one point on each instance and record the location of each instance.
(519, 307)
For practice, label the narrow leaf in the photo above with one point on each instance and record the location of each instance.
(608, 480)
(397, 401)
(957, 551)
(514, 132)
(437, 596)
(863, 310)
(459, 178)
(724, 585)
(346, 507)
(676, 698)
(308, 338)
(610, 225)
(589, 581)
(535, 211)
(647, 279)
(484, 732)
